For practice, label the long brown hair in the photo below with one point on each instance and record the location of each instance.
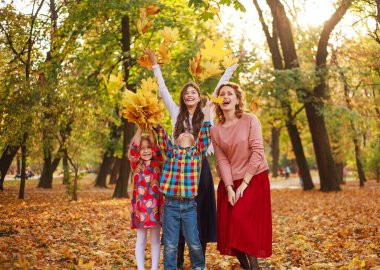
(183, 115)
(239, 107)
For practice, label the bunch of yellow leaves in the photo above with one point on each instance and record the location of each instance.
(143, 107)
(210, 59)
(143, 24)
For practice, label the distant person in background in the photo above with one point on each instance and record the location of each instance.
(287, 172)
(345, 171)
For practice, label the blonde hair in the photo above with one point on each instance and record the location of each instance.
(239, 107)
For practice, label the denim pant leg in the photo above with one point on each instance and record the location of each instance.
(170, 229)
(190, 232)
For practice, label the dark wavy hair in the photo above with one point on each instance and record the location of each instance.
(183, 116)
(239, 107)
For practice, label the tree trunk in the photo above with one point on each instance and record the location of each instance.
(18, 160)
(6, 161)
(46, 179)
(313, 102)
(121, 188)
(23, 167)
(275, 147)
(325, 161)
(115, 171)
(66, 171)
(303, 166)
(101, 178)
(294, 135)
(359, 164)
(339, 171)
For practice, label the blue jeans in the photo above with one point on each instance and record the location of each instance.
(181, 212)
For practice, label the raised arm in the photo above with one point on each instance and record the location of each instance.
(155, 148)
(162, 89)
(163, 139)
(134, 149)
(228, 73)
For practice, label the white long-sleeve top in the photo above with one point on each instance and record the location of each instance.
(173, 108)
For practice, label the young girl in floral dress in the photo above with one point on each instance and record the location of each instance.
(146, 159)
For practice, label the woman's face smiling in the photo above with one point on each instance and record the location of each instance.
(191, 96)
(230, 99)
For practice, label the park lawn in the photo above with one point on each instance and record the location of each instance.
(311, 230)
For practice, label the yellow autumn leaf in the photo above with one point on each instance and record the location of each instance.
(212, 68)
(217, 100)
(89, 265)
(170, 35)
(163, 51)
(356, 264)
(229, 60)
(150, 10)
(214, 51)
(143, 25)
(145, 62)
(195, 67)
(149, 85)
(254, 106)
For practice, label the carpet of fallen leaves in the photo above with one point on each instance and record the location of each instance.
(311, 230)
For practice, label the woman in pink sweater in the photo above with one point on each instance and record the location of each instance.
(244, 206)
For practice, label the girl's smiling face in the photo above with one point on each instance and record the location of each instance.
(191, 96)
(146, 152)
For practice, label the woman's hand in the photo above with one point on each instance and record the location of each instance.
(239, 192)
(231, 195)
(151, 55)
(208, 102)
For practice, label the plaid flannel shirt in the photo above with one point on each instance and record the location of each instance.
(182, 166)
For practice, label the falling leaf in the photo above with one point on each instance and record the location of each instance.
(195, 67)
(211, 69)
(170, 35)
(150, 10)
(164, 53)
(143, 25)
(254, 106)
(145, 62)
(217, 100)
(229, 60)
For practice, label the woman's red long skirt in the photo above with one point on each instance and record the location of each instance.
(246, 226)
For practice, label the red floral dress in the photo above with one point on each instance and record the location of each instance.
(147, 201)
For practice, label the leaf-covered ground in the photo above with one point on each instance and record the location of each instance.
(312, 230)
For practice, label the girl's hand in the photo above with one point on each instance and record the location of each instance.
(231, 195)
(239, 192)
(151, 55)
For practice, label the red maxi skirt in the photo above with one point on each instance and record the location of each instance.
(246, 226)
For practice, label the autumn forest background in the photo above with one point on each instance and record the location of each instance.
(311, 73)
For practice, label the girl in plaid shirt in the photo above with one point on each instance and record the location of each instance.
(145, 159)
(179, 183)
